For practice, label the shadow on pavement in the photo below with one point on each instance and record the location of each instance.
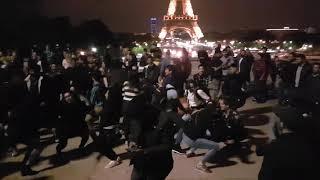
(66, 157)
(43, 178)
(8, 168)
(225, 163)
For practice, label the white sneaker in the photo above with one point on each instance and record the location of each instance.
(113, 164)
(222, 145)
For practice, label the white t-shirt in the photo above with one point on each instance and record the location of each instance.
(194, 101)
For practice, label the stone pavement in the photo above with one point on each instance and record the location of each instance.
(89, 166)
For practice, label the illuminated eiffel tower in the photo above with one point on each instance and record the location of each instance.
(180, 17)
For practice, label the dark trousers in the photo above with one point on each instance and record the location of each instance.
(133, 129)
(148, 90)
(283, 91)
(261, 91)
(32, 152)
(63, 139)
(138, 174)
(104, 144)
(32, 140)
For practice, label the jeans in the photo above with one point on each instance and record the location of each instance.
(179, 137)
(212, 146)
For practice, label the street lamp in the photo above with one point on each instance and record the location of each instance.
(94, 49)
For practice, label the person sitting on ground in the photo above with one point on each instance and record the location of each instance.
(196, 96)
(194, 136)
(202, 78)
(231, 128)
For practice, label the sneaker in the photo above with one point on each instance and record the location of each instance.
(178, 150)
(246, 140)
(13, 152)
(113, 164)
(230, 141)
(222, 145)
(27, 171)
(203, 168)
(190, 154)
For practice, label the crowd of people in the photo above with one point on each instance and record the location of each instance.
(154, 103)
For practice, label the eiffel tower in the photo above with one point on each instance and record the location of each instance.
(180, 17)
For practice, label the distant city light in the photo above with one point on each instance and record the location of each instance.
(283, 29)
(139, 55)
(94, 49)
(82, 53)
(179, 54)
(194, 54)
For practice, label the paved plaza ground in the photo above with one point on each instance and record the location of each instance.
(240, 165)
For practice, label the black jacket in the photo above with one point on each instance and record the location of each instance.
(245, 69)
(112, 107)
(291, 157)
(305, 73)
(151, 74)
(215, 63)
(80, 78)
(286, 72)
(312, 89)
(72, 120)
(232, 86)
(200, 123)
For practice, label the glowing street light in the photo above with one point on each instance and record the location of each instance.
(94, 49)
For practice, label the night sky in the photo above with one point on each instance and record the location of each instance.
(215, 15)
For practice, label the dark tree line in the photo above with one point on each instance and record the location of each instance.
(42, 30)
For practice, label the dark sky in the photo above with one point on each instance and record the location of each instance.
(215, 15)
